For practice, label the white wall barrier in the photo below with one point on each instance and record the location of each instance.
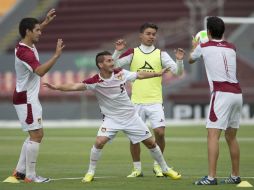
(96, 123)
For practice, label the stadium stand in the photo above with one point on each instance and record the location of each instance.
(94, 24)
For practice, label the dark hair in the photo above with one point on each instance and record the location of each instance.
(27, 23)
(100, 57)
(216, 27)
(147, 25)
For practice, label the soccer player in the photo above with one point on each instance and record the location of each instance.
(147, 94)
(25, 97)
(226, 98)
(119, 112)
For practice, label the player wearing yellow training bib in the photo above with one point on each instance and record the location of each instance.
(146, 91)
(147, 94)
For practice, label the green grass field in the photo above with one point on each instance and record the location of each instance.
(65, 153)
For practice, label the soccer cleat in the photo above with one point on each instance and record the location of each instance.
(231, 180)
(172, 174)
(136, 173)
(37, 179)
(206, 181)
(18, 175)
(157, 171)
(88, 178)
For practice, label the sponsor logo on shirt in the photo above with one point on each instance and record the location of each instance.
(147, 67)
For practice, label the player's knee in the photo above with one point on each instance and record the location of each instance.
(99, 143)
(36, 136)
(229, 138)
(149, 143)
(159, 132)
(159, 135)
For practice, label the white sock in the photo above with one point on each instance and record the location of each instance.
(32, 151)
(21, 166)
(155, 163)
(157, 155)
(137, 165)
(94, 157)
(234, 177)
(210, 178)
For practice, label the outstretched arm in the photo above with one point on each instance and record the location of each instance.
(145, 75)
(66, 87)
(49, 17)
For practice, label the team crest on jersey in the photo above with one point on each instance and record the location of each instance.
(39, 120)
(103, 129)
(119, 75)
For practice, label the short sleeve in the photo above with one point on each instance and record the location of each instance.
(28, 58)
(130, 76)
(92, 82)
(197, 53)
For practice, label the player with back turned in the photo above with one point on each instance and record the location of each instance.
(226, 98)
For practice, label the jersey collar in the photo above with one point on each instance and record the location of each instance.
(217, 40)
(112, 75)
(146, 49)
(22, 44)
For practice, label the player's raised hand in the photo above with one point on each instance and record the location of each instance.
(195, 42)
(179, 53)
(59, 47)
(50, 16)
(50, 86)
(120, 44)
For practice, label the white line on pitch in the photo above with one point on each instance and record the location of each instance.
(104, 177)
(74, 178)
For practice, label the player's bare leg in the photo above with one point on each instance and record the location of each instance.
(135, 154)
(36, 135)
(94, 157)
(230, 135)
(213, 150)
(159, 134)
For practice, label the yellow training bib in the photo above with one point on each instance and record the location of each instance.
(146, 91)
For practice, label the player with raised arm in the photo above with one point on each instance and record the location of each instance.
(147, 94)
(25, 98)
(226, 98)
(119, 112)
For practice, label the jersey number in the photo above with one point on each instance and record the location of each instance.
(122, 87)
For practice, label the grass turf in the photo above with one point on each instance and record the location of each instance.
(64, 153)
